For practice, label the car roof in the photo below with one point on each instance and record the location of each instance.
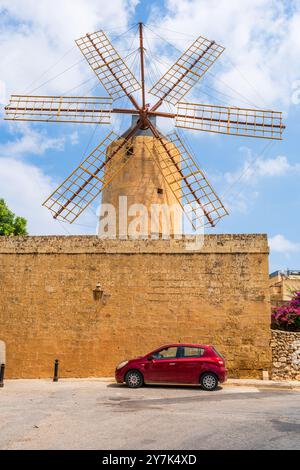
(190, 345)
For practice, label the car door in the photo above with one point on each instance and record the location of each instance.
(189, 365)
(162, 366)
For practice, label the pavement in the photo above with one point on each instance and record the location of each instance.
(276, 384)
(100, 414)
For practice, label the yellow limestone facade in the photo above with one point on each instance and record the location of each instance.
(142, 182)
(93, 302)
(283, 285)
(151, 292)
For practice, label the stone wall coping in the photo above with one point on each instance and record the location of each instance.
(284, 332)
(85, 244)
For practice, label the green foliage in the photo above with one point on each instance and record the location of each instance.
(10, 224)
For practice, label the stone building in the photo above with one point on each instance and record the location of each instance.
(283, 284)
(91, 302)
(141, 183)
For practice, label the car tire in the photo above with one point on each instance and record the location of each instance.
(134, 379)
(209, 381)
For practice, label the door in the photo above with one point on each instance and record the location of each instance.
(189, 365)
(2, 353)
(162, 367)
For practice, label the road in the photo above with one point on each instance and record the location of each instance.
(93, 414)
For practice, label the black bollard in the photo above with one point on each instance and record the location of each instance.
(2, 371)
(55, 377)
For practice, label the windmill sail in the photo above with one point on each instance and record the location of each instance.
(187, 70)
(85, 110)
(107, 64)
(230, 120)
(188, 182)
(87, 181)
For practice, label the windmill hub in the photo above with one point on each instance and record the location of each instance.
(144, 121)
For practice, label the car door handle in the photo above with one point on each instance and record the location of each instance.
(172, 364)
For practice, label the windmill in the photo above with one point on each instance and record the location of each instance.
(183, 180)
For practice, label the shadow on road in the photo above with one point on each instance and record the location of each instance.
(166, 387)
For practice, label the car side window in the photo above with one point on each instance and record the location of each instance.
(193, 352)
(168, 353)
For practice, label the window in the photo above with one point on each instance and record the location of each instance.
(168, 353)
(218, 353)
(129, 151)
(160, 191)
(193, 352)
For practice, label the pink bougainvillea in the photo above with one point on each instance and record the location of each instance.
(287, 317)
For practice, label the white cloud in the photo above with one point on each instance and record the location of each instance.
(280, 244)
(253, 170)
(24, 187)
(241, 190)
(238, 201)
(74, 138)
(35, 35)
(277, 166)
(30, 141)
(262, 40)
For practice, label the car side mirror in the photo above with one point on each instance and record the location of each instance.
(150, 358)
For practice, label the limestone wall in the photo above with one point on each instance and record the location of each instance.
(286, 355)
(155, 292)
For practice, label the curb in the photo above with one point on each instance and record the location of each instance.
(254, 383)
(285, 384)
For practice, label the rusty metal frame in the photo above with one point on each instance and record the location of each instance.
(243, 122)
(108, 65)
(188, 182)
(142, 50)
(76, 109)
(186, 71)
(88, 180)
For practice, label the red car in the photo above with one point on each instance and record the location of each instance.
(175, 363)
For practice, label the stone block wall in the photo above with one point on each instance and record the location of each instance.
(155, 292)
(286, 355)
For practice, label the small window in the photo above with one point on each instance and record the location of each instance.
(218, 353)
(168, 353)
(193, 352)
(160, 191)
(129, 151)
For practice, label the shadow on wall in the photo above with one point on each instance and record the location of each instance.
(2, 352)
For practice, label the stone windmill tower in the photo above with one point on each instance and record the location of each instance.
(142, 164)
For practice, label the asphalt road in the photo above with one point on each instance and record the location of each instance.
(92, 414)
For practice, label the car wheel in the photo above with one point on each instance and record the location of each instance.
(209, 381)
(134, 379)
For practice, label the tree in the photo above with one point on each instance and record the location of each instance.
(10, 224)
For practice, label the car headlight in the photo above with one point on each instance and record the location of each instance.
(122, 364)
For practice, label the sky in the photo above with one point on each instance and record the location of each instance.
(257, 179)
